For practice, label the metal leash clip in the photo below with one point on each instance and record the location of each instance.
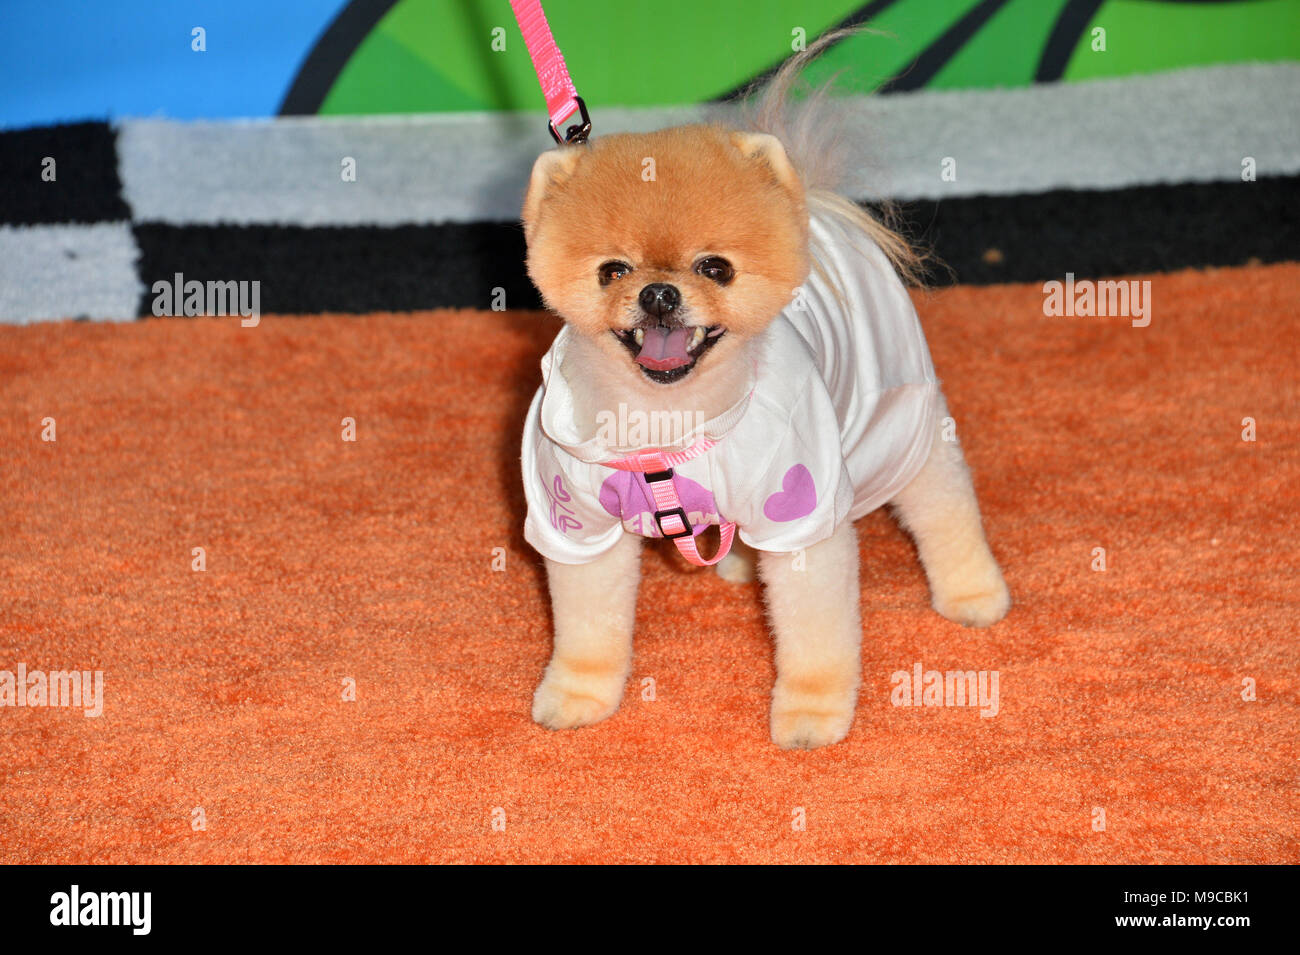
(578, 132)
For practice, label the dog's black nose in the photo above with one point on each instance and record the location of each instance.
(660, 298)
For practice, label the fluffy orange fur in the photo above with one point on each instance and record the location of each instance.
(660, 202)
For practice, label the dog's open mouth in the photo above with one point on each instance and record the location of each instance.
(668, 354)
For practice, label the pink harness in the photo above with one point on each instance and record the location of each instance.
(671, 518)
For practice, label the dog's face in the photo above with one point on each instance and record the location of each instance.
(669, 249)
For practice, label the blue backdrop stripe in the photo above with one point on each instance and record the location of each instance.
(63, 61)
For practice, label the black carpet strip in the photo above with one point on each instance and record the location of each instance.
(346, 268)
(84, 188)
(1041, 236)
(981, 240)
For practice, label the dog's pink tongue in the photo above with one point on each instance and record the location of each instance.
(665, 348)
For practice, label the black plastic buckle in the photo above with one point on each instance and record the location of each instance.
(578, 132)
(686, 530)
(658, 477)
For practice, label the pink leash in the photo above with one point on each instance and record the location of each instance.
(562, 99)
(657, 467)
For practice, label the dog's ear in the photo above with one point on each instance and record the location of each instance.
(552, 168)
(768, 149)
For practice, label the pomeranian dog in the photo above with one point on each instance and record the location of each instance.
(738, 350)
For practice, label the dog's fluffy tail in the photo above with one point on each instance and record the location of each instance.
(813, 138)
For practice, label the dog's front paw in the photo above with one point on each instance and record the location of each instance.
(571, 697)
(981, 602)
(809, 717)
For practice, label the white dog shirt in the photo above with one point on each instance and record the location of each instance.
(838, 421)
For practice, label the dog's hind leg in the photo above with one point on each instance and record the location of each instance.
(938, 508)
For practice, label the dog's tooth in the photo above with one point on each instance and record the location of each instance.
(698, 336)
(639, 335)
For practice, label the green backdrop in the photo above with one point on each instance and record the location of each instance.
(429, 55)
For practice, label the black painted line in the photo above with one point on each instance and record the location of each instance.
(331, 53)
(1069, 26)
(935, 56)
(856, 18)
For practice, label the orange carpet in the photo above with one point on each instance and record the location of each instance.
(1121, 690)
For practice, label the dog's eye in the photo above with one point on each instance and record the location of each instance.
(610, 271)
(716, 269)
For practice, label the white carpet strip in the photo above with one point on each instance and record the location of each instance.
(68, 271)
(1186, 126)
